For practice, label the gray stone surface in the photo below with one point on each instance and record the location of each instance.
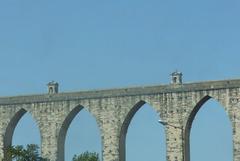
(113, 109)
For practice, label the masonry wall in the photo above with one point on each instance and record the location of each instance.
(114, 109)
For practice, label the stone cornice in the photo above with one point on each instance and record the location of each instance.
(121, 92)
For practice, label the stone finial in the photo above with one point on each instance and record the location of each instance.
(52, 87)
(176, 77)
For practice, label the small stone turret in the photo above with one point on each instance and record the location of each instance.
(176, 77)
(52, 87)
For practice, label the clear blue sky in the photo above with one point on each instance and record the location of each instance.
(96, 44)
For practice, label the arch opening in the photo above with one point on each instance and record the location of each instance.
(79, 133)
(142, 137)
(208, 133)
(21, 130)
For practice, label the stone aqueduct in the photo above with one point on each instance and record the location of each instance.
(176, 103)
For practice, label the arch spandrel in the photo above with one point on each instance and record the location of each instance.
(15, 113)
(93, 107)
(155, 101)
(197, 103)
(131, 107)
(70, 110)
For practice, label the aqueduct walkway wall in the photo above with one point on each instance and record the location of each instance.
(113, 109)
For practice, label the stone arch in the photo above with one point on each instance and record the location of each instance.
(189, 122)
(7, 142)
(63, 132)
(64, 128)
(124, 128)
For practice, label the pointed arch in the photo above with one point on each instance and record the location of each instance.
(124, 128)
(8, 136)
(11, 126)
(64, 129)
(63, 132)
(189, 122)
